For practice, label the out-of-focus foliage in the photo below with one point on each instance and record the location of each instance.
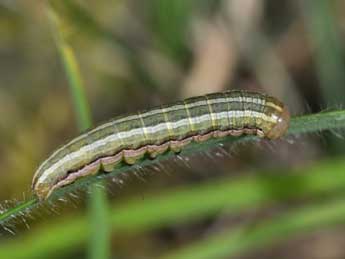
(134, 54)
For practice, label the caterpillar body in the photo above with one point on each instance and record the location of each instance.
(155, 131)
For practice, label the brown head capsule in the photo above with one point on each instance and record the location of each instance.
(282, 118)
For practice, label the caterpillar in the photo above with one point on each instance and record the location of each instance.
(152, 132)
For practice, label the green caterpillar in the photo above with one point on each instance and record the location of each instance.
(155, 131)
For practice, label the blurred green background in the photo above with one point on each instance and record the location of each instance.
(135, 54)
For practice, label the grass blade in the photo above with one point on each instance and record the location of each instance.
(183, 205)
(229, 244)
(100, 236)
(312, 123)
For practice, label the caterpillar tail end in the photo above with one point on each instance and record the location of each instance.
(41, 191)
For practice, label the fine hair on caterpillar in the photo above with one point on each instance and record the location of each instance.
(171, 127)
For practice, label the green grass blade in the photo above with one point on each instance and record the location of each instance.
(317, 122)
(244, 239)
(183, 205)
(321, 23)
(19, 209)
(323, 31)
(76, 86)
(303, 124)
(100, 236)
(72, 70)
(99, 244)
(88, 25)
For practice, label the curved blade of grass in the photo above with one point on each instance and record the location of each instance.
(81, 107)
(303, 124)
(100, 236)
(320, 17)
(231, 243)
(80, 17)
(183, 204)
